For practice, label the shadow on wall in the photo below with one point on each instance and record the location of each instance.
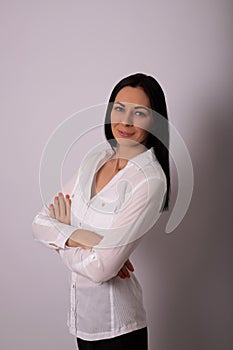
(186, 274)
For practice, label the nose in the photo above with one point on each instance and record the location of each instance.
(127, 118)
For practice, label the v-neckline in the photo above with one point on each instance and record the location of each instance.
(99, 164)
(105, 187)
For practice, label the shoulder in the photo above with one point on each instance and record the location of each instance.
(146, 168)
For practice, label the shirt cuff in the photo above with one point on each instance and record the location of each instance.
(65, 231)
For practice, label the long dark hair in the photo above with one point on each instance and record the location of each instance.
(158, 105)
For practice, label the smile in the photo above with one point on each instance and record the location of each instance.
(124, 134)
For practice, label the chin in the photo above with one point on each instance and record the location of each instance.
(126, 141)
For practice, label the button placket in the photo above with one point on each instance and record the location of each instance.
(73, 305)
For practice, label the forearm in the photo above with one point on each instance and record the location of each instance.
(84, 239)
(98, 265)
(48, 230)
(51, 232)
(55, 234)
(104, 260)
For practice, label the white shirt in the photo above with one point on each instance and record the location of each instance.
(102, 305)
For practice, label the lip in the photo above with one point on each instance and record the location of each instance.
(124, 133)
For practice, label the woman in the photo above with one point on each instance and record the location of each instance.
(118, 195)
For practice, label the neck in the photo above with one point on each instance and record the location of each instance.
(127, 152)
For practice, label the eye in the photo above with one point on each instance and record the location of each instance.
(119, 109)
(140, 114)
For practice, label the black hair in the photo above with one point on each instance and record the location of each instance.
(160, 144)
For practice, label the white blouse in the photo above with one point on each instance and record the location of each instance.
(102, 305)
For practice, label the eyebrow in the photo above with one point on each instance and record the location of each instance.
(136, 107)
(120, 103)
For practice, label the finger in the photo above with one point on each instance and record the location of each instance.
(62, 205)
(125, 271)
(129, 265)
(51, 211)
(67, 196)
(121, 275)
(56, 208)
(68, 205)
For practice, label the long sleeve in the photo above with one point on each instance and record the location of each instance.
(50, 232)
(104, 260)
(54, 234)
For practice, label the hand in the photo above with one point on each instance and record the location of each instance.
(61, 208)
(124, 273)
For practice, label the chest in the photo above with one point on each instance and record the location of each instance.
(101, 178)
(99, 197)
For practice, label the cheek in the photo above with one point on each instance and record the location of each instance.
(144, 126)
(114, 117)
(114, 124)
(143, 134)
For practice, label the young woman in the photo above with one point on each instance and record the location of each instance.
(118, 195)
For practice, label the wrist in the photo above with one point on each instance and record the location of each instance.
(71, 243)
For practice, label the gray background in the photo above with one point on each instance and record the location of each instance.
(58, 57)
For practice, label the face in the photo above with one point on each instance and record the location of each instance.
(131, 116)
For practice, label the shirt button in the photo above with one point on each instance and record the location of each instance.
(103, 204)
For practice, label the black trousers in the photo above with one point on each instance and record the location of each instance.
(134, 340)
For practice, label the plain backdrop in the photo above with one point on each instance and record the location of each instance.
(59, 57)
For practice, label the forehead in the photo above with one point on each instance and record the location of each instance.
(135, 95)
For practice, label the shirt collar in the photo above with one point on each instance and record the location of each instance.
(140, 160)
(102, 155)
